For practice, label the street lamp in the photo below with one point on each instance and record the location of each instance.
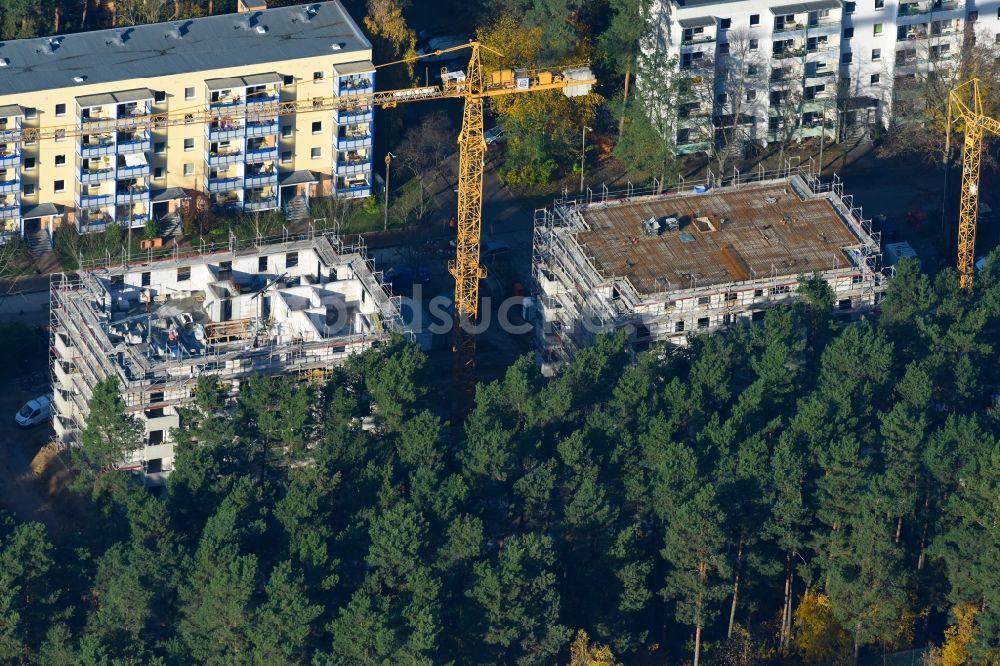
(583, 153)
(389, 157)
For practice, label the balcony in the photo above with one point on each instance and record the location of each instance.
(262, 99)
(95, 200)
(87, 120)
(355, 85)
(348, 167)
(354, 141)
(829, 22)
(262, 128)
(9, 210)
(262, 154)
(10, 158)
(354, 116)
(226, 103)
(223, 184)
(133, 145)
(223, 133)
(132, 221)
(96, 175)
(789, 54)
(231, 157)
(355, 190)
(700, 39)
(132, 195)
(97, 148)
(262, 204)
(261, 179)
(135, 171)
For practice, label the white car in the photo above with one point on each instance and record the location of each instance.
(494, 135)
(35, 411)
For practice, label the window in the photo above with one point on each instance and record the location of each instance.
(146, 278)
(286, 156)
(753, 44)
(844, 304)
(848, 33)
(317, 126)
(316, 153)
(261, 264)
(159, 97)
(755, 19)
(29, 163)
(60, 135)
(725, 23)
(845, 58)
(878, 29)
(724, 47)
(780, 289)
(184, 274)
(849, 7)
(703, 322)
(31, 112)
(189, 93)
(155, 437)
(876, 54)
(291, 260)
(721, 98)
(875, 79)
(317, 77)
(704, 300)
(160, 147)
(678, 326)
(60, 109)
(288, 80)
(751, 70)
(188, 144)
(286, 131)
(60, 160)
(188, 169)
(59, 186)
(158, 173)
(751, 95)
(972, 15)
(998, 38)
(879, 4)
(758, 293)
(154, 466)
(29, 189)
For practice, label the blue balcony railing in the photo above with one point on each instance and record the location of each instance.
(354, 117)
(133, 146)
(261, 179)
(8, 211)
(97, 149)
(7, 186)
(10, 159)
(262, 128)
(262, 154)
(137, 171)
(231, 157)
(262, 204)
(222, 133)
(354, 142)
(223, 184)
(262, 99)
(226, 103)
(95, 200)
(357, 166)
(96, 175)
(132, 195)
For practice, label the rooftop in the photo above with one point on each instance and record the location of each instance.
(176, 47)
(727, 236)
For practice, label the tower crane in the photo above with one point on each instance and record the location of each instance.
(966, 104)
(465, 267)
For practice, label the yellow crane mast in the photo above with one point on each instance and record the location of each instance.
(966, 104)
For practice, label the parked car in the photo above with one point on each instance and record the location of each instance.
(35, 411)
(494, 135)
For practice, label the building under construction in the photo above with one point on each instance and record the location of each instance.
(694, 258)
(289, 306)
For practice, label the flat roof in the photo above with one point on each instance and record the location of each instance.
(697, 22)
(758, 230)
(177, 47)
(243, 81)
(803, 7)
(122, 97)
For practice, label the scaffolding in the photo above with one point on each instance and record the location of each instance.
(85, 348)
(584, 275)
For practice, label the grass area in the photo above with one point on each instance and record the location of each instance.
(408, 207)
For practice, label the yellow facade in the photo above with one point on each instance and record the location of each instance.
(96, 177)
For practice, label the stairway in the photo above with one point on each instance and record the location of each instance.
(171, 225)
(38, 242)
(296, 209)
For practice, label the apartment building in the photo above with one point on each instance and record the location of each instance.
(771, 70)
(81, 132)
(664, 265)
(293, 307)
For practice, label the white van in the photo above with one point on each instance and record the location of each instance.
(35, 411)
